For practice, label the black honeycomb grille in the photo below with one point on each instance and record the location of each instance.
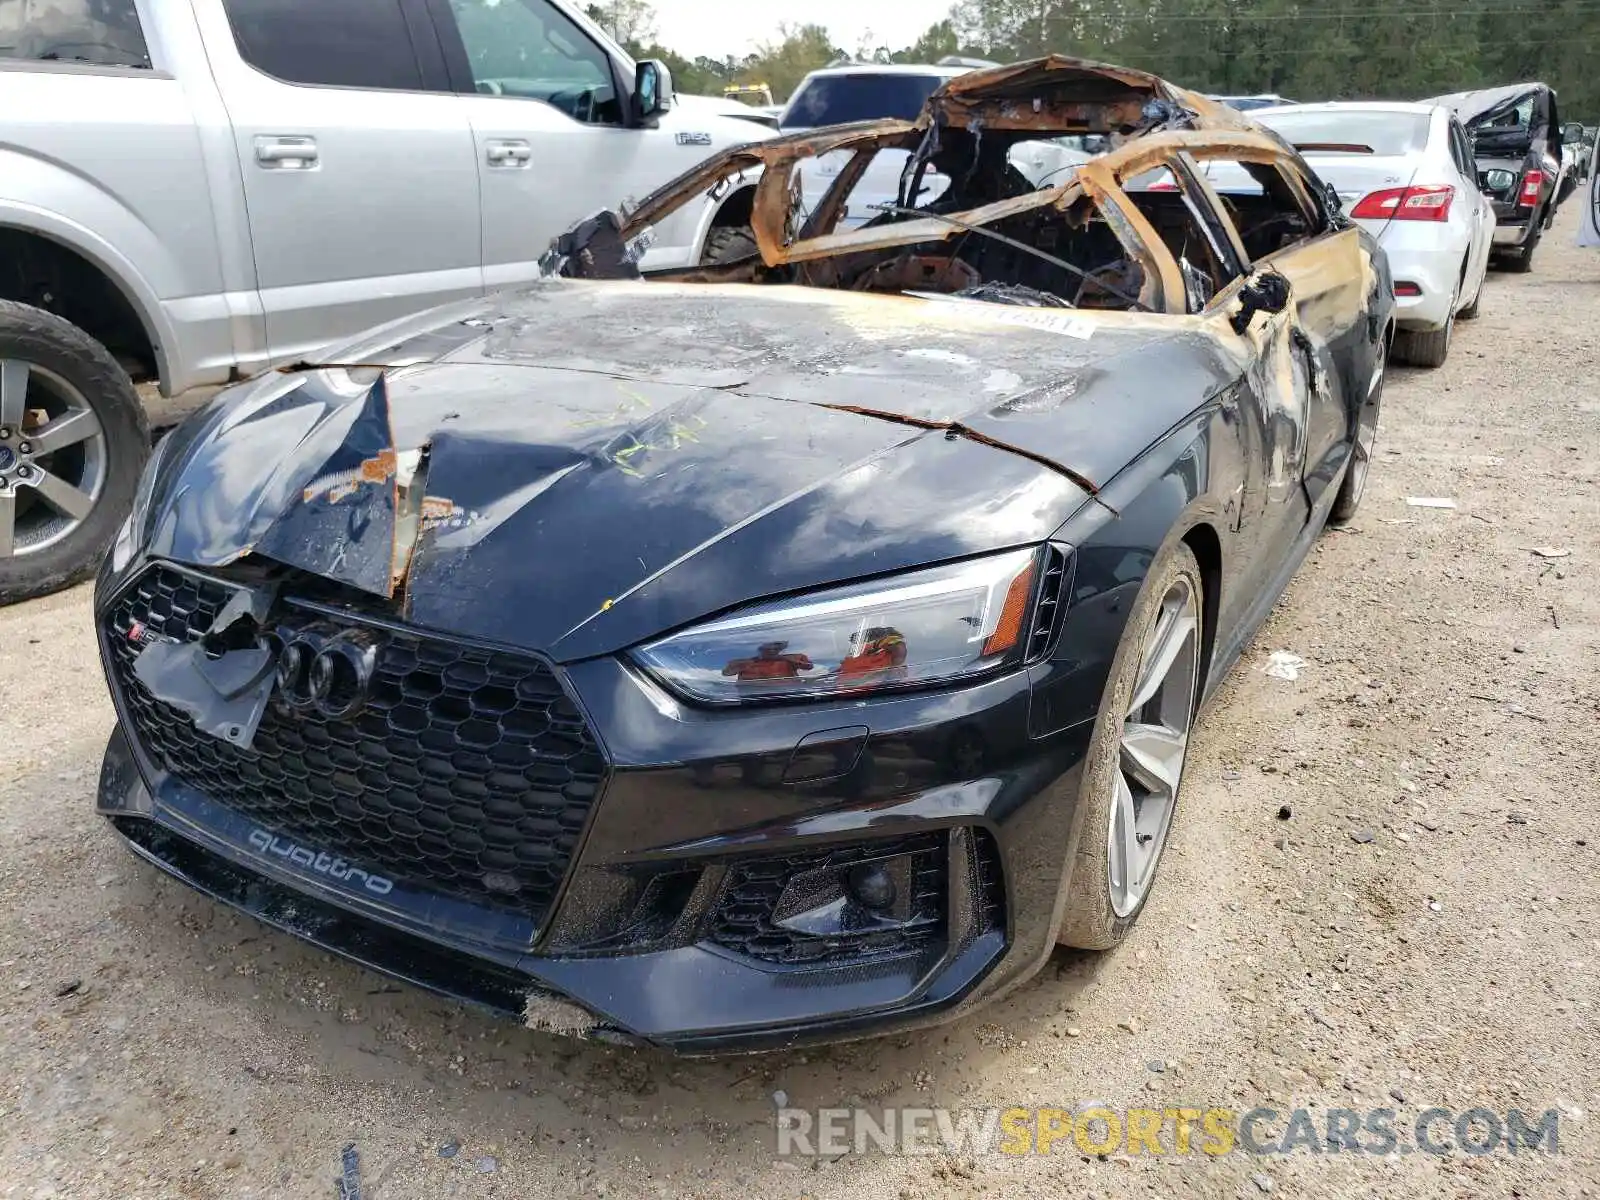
(468, 773)
(743, 921)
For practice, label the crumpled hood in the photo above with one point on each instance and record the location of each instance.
(597, 463)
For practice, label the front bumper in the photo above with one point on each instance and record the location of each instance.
(702, 815)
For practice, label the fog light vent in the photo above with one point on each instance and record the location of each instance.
(869, 901)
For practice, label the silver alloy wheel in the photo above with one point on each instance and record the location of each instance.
(1366, 430)
(51, 471)
(1155, 738)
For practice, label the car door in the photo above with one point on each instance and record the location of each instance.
(1547, 145)
(1331, 283)
(1477, 205)
(546, 103)
(360, 179)
(1284, 225)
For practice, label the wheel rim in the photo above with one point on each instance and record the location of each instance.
(1155, 740)
(1367, 429)
(53, 458)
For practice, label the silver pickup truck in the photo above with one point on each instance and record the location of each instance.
(194, 190)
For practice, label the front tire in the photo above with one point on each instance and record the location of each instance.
(1134, 771)
(73, 442)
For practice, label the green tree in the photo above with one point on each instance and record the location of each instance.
(1333, 50)
(629, 22)
(937, 41)
(782, 65)
(1339, 49)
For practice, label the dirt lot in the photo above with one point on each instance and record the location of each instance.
(1419, 931)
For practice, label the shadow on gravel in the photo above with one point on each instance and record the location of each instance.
(475, 1074)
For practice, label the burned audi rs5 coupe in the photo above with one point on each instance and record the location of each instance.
(793, 647)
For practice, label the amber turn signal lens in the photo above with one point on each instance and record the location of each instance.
(1009, 628)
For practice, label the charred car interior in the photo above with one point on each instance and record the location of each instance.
(1133, 228)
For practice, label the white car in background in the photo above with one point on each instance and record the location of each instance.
(840, 95)
(1406, 173)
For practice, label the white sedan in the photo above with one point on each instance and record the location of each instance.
(1405, 172)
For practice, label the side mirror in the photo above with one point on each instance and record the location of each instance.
(1331, 194)
(1268, 292)
(652, 90)
(1572, 133)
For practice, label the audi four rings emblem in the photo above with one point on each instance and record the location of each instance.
(331, 676)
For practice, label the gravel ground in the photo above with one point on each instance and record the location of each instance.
(1381, 892)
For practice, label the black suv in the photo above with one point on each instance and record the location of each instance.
(1516, 137)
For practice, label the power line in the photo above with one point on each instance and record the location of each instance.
(1583, 8)
(1210, 53)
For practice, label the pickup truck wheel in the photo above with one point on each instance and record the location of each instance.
(73, 442)
(728, 244)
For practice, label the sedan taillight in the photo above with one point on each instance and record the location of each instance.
(1428, 203)
(1532, 185)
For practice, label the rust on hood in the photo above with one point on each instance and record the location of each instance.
(983, 439)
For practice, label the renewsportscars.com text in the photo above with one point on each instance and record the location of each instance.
(1168, 1131)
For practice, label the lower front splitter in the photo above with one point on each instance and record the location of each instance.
(691, 999)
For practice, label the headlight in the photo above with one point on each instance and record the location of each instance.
(928, 627)
(131, 537)
(122, 549)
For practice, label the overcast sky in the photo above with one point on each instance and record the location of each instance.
(722, 27)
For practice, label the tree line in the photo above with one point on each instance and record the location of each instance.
(1335, 50)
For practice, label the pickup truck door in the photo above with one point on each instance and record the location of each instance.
(360, 178)
(545, 104)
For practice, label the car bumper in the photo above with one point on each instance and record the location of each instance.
(1417, 258)
(1514, 223)
(668, 927)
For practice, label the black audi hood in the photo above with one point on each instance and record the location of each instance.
(597, 463)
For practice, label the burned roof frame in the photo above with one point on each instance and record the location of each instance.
(1150, 121)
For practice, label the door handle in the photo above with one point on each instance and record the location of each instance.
(286, 153)
(511, 152)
